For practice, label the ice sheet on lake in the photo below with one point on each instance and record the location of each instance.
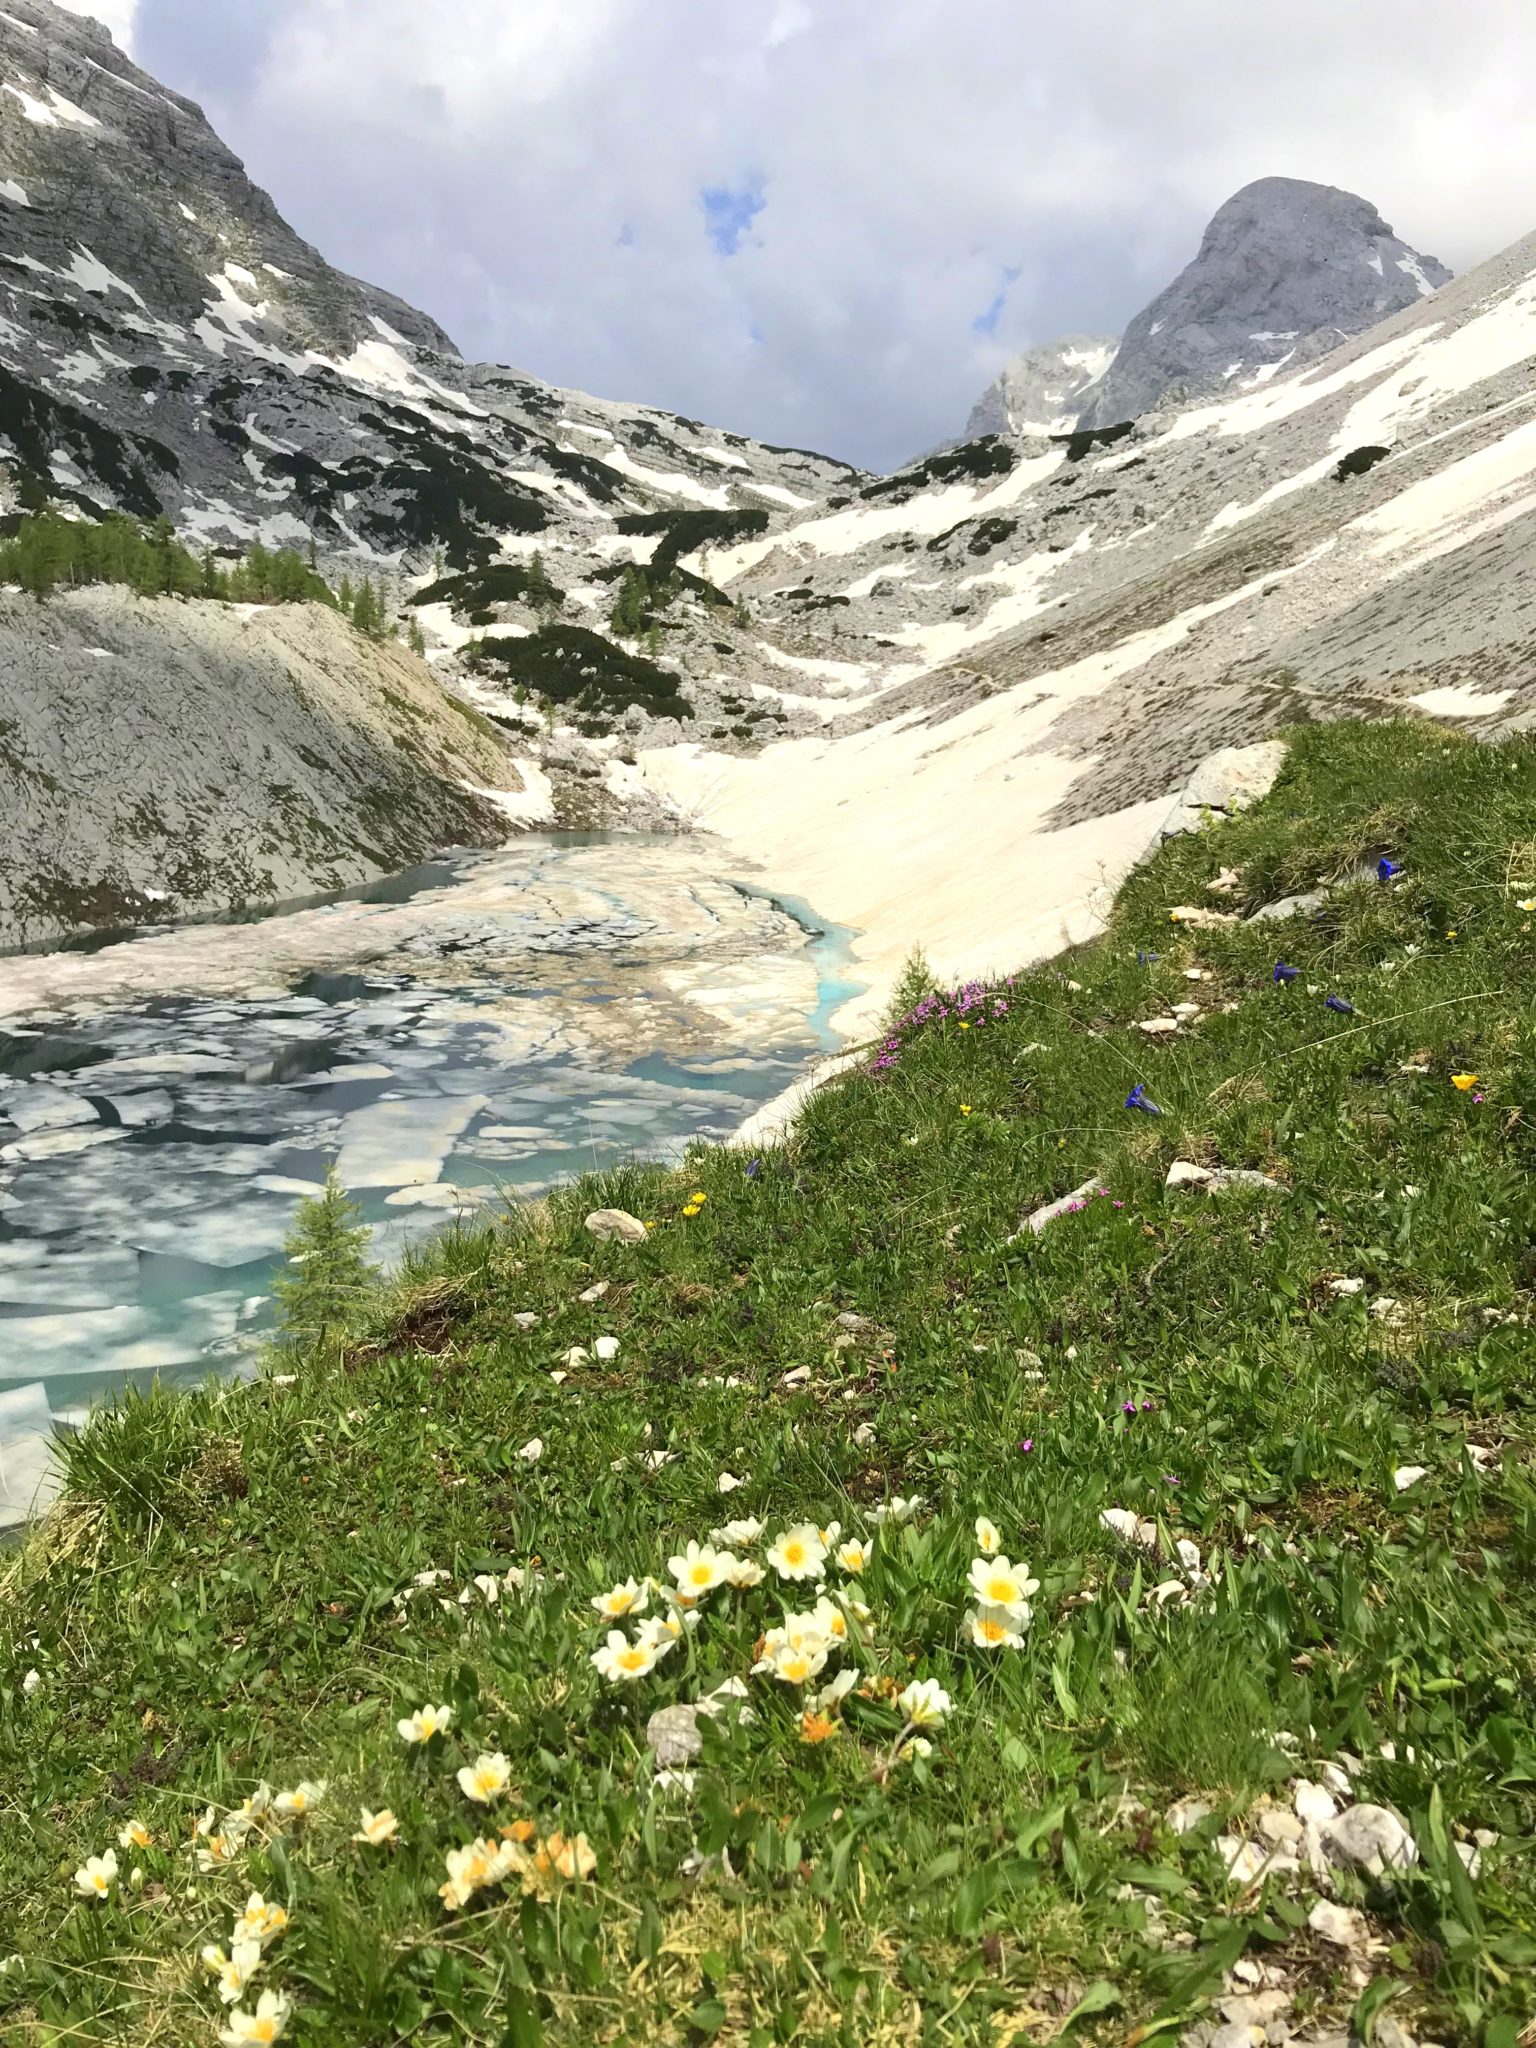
(401, 1144)
(29, 1471)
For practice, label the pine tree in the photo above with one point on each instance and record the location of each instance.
(328, 1276)
(628, 616)
(367, 613)
(416, 639)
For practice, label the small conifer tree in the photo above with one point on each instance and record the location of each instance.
(327, 1276)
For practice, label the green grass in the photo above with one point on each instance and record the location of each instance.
(226, 1594)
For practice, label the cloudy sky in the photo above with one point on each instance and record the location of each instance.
(829, 222)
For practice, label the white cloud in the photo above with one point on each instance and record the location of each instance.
(116, 16)
(533, 175)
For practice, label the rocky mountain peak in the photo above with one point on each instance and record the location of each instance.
(1286, 270)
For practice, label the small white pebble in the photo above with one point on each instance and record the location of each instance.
(797, 1377)
(532, 1451)
(594, 1293)
(607, 1349)
(1408, 1475)
(728, 1483)
(559, 1378)
(31, 1682)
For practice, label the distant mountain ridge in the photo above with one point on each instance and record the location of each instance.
(1041, 391)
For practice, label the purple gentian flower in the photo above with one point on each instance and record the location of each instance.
(1284, 973)
(1146, 959)
(1140, 1099)
(1386, 869)
(1338, 1003)
(754, 1169)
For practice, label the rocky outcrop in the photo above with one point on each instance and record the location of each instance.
(1286, 271)
(1041, 391)
(160, 757)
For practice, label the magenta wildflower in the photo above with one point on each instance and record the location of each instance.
(1026, 1443)
(1129, 1407)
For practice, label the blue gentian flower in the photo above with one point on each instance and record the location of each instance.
(1146, 959)
(1386, 869)
(1338, 1003)
(1140, 1099)
(1284, 973)
(754, 1169)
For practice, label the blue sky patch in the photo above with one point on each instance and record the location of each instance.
(986, 321)
(729, 212)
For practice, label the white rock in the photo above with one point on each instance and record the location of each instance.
(1234, 776)
(1313, 1803)
(1037, 1221)
(865, 1433)
(559, 1378)
(1471, 1857)
(1237, 2035)
(728, 1483)
(1341, 1925)
(1338, 1776)
(1346, 1287)
(1158, 1027)
(1185, 1815)
(798, 1376)
(1369, 1838)
(576, 1357)
(607, 1349)
(1278, 1826)
(1409, 1475)
(525, 1319)
(594, 1293)
(1120, 1521)
(532, 1451)
(616, 1225)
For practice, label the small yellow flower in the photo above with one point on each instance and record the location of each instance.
(690, 1208)
(965, 1109)
(1450, 935)
(699, 1196)
(520, 1831)
(377, 1828)
(134, 1835)
(965, 1027)
(1464, 1081)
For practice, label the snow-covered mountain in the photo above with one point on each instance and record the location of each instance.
(1041, 392)
(944, 706)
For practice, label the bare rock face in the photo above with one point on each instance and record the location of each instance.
(1286, 271)
(1041, 391)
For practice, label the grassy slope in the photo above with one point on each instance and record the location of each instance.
(213, 1605)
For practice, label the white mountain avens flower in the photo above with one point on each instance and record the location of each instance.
(376, 1828)
(699, 1569)
(303, 1799)
(746, 1573)
(486, 1778)
(621, 1661)
(853, 1556)
(997, 1583)
(738, 1535)
(988, 1541)
(925, 1702)
(799, 1553)
(621, 1600)
(917, 1746)
(260, 1921)
(134, 1835)
(97, 1875)
(835, 1691)
(264, 2025)
(830, 1619)
(425, 1723)
(570, 1857)
(234, 1970)
(993, 1628)
(662, 1632)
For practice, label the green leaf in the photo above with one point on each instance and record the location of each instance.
(1376, 1994)
(524, 2028)
(1061, 1667)
(1502, 2031)
(1097, 1998)
(708, 2016)
(1153, 1878)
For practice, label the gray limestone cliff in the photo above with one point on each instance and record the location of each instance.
(1286, 271)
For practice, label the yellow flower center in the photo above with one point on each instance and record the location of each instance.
(796, 1669)
(993, 1631)
(701, 1575)
(837, 1625)
(794, 1553)
(632, 1659)
(1000, 1591)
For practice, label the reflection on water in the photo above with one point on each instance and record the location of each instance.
(151, 1158)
